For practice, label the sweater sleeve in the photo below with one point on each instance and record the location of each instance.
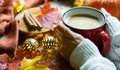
(86, 56)
(113, 28)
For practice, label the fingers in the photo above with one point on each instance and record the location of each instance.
(66, 33)
(65, 30)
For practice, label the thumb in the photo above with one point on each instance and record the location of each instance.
(105, 12)
(64, 30)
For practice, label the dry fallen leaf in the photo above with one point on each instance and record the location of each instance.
(49, 15)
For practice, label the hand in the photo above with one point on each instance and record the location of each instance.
(68, 40)
(105, 12)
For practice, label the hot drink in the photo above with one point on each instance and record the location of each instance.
(83, 22)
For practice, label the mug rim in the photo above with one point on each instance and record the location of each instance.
(85, 7)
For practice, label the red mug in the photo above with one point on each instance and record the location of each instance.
(90, 23)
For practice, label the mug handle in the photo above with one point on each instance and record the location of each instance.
(106, 41)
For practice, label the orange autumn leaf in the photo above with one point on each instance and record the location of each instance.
(47, 8)
(49, 16)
